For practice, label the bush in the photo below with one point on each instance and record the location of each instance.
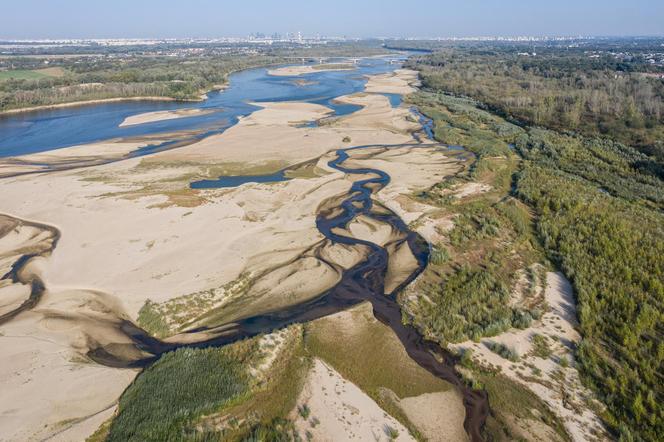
(391, 432)
(439, 255)
(304, 411)
(541, 347)
(503, 351)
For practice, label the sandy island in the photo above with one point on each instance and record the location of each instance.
(292, 71)
(151, 117)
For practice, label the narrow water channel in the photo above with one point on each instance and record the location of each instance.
(363, 282)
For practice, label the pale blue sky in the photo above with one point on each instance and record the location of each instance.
(355, 18)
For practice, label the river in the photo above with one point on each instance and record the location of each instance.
(52, 129)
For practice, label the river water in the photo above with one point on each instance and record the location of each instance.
(52, 129)
(55, 128)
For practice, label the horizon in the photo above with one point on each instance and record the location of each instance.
(340, 37)
(201, 19)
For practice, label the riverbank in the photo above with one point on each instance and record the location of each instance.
(91, 103)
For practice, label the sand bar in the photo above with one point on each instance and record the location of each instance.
(292, 71)
(151, 117)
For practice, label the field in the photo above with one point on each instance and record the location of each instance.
(35, 74)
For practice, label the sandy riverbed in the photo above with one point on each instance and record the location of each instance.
(127, 225)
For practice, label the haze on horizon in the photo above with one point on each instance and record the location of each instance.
(368, 18)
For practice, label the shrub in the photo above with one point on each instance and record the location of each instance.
(541, 347)
(503, 351)
(391, 432)
(304, 411)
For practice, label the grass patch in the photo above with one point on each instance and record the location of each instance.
(511, 403)
(22, 74)
(541, 347)
(166, 399)
(166, 318)
(152, 321)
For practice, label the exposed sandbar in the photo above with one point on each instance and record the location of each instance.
(291, 71)
(151, 117)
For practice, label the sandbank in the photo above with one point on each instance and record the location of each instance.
(150, 117)
(292, 71)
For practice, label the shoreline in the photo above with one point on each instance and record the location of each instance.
(202, 97)
(94, 102)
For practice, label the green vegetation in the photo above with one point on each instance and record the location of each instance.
(304, 411)
(595, 205)
(21, 74)
(467, 287)
(541, 347)
(166, 399)
(504, 351)
(278, 430)
(95, 78)
(516, 412)
(367, 353)
(176, 314)
(215, 394)
(152, 321)
(171, 70)
(559, 89)
(391, 432)
(512, 402)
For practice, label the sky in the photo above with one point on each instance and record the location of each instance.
(25, 19)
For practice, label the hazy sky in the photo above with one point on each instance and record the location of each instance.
(354, 18)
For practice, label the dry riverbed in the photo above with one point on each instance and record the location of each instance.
(126, 225)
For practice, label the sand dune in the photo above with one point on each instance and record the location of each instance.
(559, 386)
(401, 81)
(345, 412)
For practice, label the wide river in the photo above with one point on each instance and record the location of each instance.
(55, 128)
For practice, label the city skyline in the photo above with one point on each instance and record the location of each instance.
(73, 19)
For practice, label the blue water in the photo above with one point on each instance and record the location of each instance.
(51, 129)
(395, 99)
(237, 180)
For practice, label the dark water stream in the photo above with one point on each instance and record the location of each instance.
(363, 282)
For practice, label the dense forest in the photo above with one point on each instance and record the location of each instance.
(593, 92)
(597, 203)
(99, 78)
